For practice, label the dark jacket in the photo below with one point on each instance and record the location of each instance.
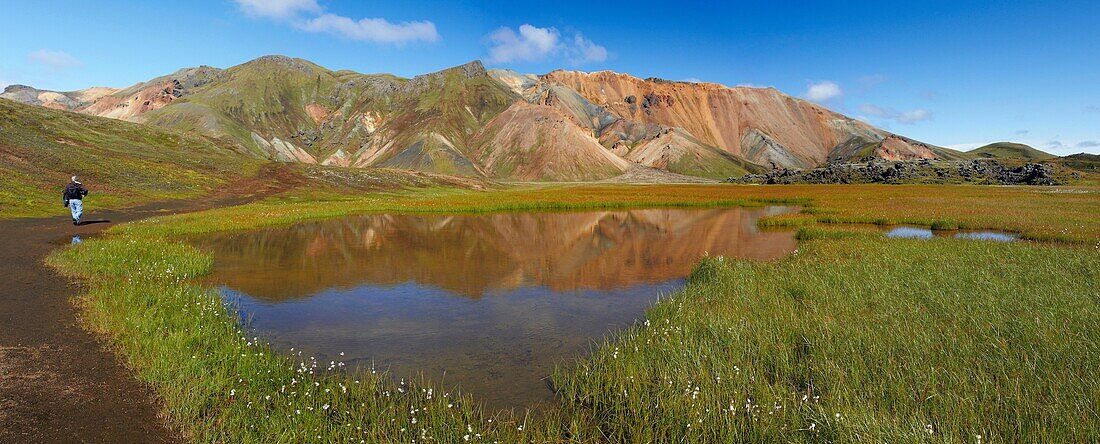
(75, 191)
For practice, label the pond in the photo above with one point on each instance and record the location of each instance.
(909, 232)
(483, 303)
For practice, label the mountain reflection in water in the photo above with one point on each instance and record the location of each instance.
(490, 301)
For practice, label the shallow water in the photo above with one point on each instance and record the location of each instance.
(485, 303)
(927, 233)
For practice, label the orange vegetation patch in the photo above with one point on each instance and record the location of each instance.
(1045, 213)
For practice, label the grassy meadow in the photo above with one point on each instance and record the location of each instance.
(123, 163)
(854, 338)
(1063, 214)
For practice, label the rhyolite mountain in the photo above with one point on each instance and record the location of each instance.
(564, 125)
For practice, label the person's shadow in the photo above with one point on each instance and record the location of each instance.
(90, 222)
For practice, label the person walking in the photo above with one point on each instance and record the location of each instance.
(74, 199)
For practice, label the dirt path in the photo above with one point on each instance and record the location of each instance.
(58, 382)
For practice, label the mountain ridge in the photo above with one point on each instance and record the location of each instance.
(467, 120)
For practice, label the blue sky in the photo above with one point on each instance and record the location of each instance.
(950, 73)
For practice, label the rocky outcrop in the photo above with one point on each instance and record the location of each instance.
(68, 101)
(918, 171)
(125, 104)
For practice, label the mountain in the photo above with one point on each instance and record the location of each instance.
(760, 125)
(125, 104)
(126, 163)
(561, 126)
(1009, 150)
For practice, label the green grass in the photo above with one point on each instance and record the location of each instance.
(970, 337)
(861, 339)
(787, 220)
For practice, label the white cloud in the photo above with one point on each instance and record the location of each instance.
(54, 59)
(913, 116)
(693, 80)
(371, 29)
(532, 44)
(907, 117)
(822, 91)
(278, 9)
(872, 80)
(309, 16)
(1058, 147)
(585, 51)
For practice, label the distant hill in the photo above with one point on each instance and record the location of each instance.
(123, 162)
(1081, 161)
(561, 126)
(1009, 150)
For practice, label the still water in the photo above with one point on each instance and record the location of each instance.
(485, 303)
(907, 232)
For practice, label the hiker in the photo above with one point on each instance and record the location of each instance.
(73, 197)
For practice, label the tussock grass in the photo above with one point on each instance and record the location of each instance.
(787, 221)
(940, 224)
(861, 340)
